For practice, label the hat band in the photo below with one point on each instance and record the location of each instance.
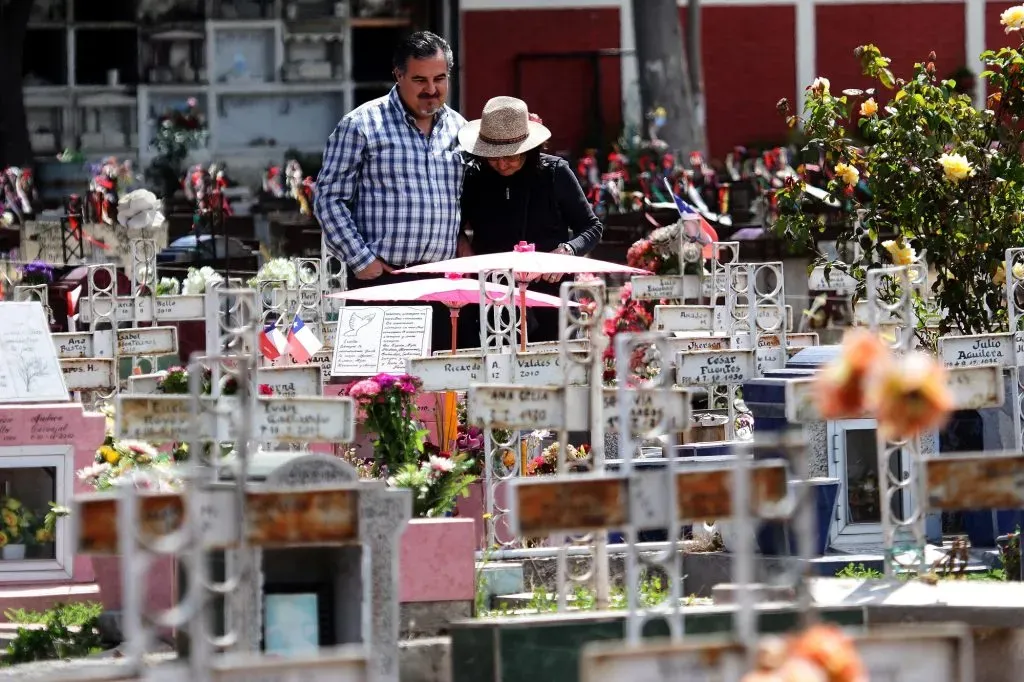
(499, 143)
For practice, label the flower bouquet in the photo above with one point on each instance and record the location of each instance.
(436, 484)
(117, 460)
(283, 270)
(36, 273)
(178, 131)
(17, 520)
(388, 404)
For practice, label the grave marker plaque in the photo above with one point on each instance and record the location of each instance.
(715, 367)
(29, 369)
(370, 340)
(977, 350)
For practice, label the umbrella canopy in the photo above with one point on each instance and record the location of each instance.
(454, 292)
(524, 260)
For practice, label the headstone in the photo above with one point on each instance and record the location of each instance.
(29, 369)
(370, 340)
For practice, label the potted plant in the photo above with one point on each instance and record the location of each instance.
(17, 520)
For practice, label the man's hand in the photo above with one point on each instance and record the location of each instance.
(463, 249)
(373, 270)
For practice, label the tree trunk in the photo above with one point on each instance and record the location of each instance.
(664, 75)
(15, 147)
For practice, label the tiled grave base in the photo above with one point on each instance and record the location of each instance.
(437, 561)
(532, 648)
(161, 583)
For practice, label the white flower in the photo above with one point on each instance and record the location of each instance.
(196, 281)
(1013, 18)
(168, 286)
(139, 210)
(820, 86)
(441, 464)
(283, 270)
(92, 473)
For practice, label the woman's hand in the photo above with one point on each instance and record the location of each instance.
(555, 276)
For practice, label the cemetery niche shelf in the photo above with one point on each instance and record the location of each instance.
(31, 477)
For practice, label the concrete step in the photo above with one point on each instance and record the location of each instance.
(43, 597)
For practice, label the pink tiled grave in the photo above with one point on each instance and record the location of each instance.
(437, 561)
(426, 402)
(92, 578)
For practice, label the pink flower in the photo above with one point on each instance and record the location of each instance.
(367, 388)
(385, 381)
(192, 102)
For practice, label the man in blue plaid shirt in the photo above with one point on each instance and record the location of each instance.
(388, 194)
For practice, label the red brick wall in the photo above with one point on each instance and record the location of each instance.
(749, 65)
(905, 33)
(558, 91)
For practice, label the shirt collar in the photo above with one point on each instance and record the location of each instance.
(399, 106)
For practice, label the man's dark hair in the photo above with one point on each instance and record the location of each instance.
(421, 45)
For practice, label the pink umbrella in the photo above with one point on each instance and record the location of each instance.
(455, 293)
(528, 264)
(452, 290)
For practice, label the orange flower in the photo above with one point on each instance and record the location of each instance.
(911, 397)
(831, 650)
(840, 386)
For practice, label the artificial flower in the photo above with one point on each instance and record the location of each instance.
(840, 387)
(869, 107)
(265, 390)
(847, 173)
(365, 389)
(3, 539)
(109, 454)
(168, 286)
(1013, 18)
(999, 277)
(956, 167)
(911, 396)
(901, 255)
(820, 86)
(1018, 270)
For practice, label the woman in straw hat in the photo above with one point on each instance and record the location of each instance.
(513, 193)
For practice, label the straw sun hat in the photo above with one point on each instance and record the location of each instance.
(504, 129)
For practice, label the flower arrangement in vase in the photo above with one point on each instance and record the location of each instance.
(17, 520)
(283, 270)
(388, 405)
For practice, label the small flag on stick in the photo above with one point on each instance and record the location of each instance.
(302, 342)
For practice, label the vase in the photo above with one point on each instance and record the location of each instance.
(13, 552)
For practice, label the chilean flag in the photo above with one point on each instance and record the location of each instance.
(708, 233)
(302, 343)
(272, 342)
(72, 299)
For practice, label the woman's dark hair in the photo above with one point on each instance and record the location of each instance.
(421, 45)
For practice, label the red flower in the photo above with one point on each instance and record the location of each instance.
(265, 389)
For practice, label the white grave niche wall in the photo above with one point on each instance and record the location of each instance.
(31, 477)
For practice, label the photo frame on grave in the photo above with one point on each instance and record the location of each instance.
(297, 618)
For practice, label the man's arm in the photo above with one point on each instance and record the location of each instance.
(335, 188)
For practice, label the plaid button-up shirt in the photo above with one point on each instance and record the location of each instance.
(388, 191)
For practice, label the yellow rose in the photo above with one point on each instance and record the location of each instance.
(43, 535)
(848, 174)
(1013, 18)
(956, 167)
(869, 107)
(1000, 275)
(3, 539)
(10, 518)
(901, 255)
(1018, 271)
